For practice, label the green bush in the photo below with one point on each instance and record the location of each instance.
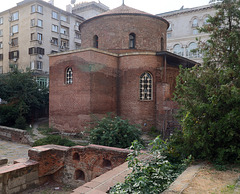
(151, 175)
(54, 139)
(114, 131)
(20, 123)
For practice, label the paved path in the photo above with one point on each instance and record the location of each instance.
(13, 151)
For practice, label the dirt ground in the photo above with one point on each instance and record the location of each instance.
(50, 188)
(211, 181)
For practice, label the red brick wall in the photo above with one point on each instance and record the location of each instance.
(93, 90)
(131, 107)
(113, 32)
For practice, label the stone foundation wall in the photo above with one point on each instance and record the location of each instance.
(18, 177)
(14, 135)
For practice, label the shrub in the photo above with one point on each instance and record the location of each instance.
(21, 123)
(151, 175)
(114, 131)
(54, 139)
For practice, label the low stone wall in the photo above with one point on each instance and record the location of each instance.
(14, 135)
(18, 177)
(70, 165)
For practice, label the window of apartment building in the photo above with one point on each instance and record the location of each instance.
(132, 40)
(191, 50)
(178, 50)
(77, 35)
(63, 18)
(1, 58)
(39, 36)
(39, 9)
(170, 27)
(78, 46)
(33, 8)
(42, 82)
(15, 16)
(77, 23)
(14, 55)
(32, 22)
(64, 30)
(14, 42)
(145, 86)
(36, 65)
(69, 75)
(195, 31)
(54, 15)
(1, 32)
(39, 65)
(32, 36)
(54, 41)
(14, 29)
(36, 50)
(162, 44)
(1, 69)
(195, 22)
(54, 28)
(1, 20)
(205, 20)
(1, 45)
(39, 23)
(36, 8)
(169, 35)
(64, 43)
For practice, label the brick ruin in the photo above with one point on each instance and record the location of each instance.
(73, 166)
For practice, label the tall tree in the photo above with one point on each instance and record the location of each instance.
(23, 96)
(209, 94)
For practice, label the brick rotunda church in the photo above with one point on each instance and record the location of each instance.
(123, 68)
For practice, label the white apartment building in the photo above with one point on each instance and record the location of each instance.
(32, 30)
(182, 32)
(89, 9)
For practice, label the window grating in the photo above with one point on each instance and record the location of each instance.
(146, 86)
(69, 76)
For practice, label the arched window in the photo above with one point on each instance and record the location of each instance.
(146, 82)
(132, 40)
(205, 21)
(178, 50)
(162, 44)
(191, 52)
(69, 76)
(95, 41)
(195, 22)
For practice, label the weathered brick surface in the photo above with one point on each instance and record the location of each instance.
(93, 90)
(107, 79)
(113, 32)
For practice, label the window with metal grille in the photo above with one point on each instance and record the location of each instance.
(146, 81)
(69, 76)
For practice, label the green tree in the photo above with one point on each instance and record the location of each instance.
(23, 96)
(209, 94)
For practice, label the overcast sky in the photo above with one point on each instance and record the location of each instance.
(150, 6)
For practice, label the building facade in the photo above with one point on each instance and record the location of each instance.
(32, 30)
(182, 32)
(89, 9)
(120, 69)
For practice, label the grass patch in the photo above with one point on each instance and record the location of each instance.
(54, 139)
